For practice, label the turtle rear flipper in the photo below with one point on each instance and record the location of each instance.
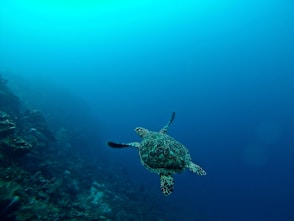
(122, 145)
(194, 168)
(166, 184)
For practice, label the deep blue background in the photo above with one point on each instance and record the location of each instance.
(225, 67)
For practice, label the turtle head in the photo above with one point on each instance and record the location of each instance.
(142, 132)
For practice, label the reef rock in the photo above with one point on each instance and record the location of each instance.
(7, 126)
(15, 146)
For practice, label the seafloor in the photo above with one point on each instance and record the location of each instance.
(43, 178)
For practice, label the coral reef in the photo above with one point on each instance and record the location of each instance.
(7, 126)
(41, 179)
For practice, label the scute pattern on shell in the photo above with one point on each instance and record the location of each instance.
(161, 153)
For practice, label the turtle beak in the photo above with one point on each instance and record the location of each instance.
(137, 130)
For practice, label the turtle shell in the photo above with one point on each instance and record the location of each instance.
(160, 153)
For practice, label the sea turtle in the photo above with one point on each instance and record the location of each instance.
(162, 154)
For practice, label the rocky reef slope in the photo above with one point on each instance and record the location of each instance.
(41, 178)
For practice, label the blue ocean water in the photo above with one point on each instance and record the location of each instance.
(225, 67)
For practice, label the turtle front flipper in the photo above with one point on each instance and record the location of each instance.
(164, 129)
(166, 184)
(194, 168)
(122, 145)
